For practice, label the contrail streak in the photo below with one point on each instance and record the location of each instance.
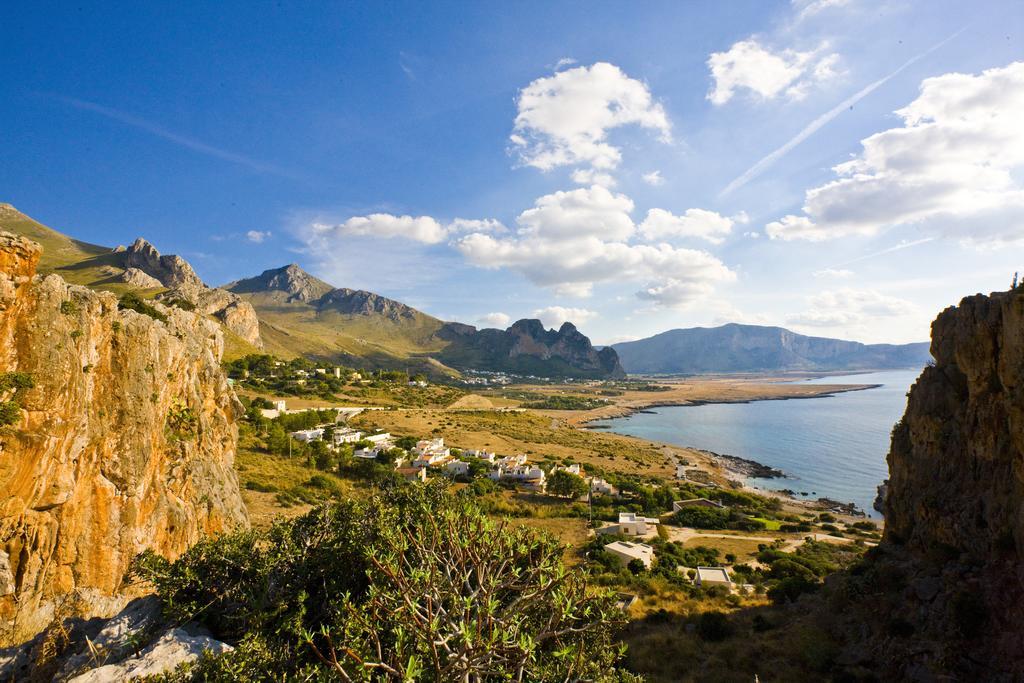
(182, 140)
(889, 250)
(817, 123)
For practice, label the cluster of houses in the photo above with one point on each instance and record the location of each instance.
(628, 551)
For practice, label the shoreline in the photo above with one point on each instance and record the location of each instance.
(626, 411)
(745, 468)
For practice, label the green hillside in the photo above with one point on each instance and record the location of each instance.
(77, 262)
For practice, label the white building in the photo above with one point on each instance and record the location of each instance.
(457, 467)
(632, 524)
(308, 435)
(712, 576)
(346, 435)
(574, 468)
(382, 439)
(603, 487)
(482, 455)
(510, 461)
(626, 552)
(280, 406)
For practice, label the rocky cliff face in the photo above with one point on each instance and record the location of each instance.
(942, 597)
(146, 267)
(170, 270)
(527, 348)
(125, 442)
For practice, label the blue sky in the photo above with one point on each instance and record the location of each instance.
(591, 161)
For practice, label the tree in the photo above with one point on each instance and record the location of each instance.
(413, 584)
(566, 484)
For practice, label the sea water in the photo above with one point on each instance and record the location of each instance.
(830, 446)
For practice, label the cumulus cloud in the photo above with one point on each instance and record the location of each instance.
(564, 119)
(700, 223)
(417, 228)
(496, 319)
(554, 316)
(257, 236)
(952, 168)
(588, 176)
(585, 211)
(750, 66)
(850, 308)
(571, 240)
(653, 178)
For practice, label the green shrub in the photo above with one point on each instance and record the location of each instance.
(10, 413)
(68, 307)
(133, 302)
(413, 584)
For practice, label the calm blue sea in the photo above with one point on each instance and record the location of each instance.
(832, 446)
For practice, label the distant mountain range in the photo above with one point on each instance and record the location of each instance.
(288, 312)
(304, 314)
(735, 348)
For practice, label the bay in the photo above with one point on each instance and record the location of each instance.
(831, 446)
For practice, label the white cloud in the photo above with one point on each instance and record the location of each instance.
(577, 213)
(476, 225)
(564, 62)
(257, 236)
(417, 228)
(850, 308)
(571, 240)
(748, 65)
(833, 273)
(752, 234)
(653, 178)
(588, 176)
(498, 320)
(706, 225)
(554, 316)
(564, 119)
(952, 168)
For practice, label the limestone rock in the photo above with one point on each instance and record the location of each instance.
(125, 443)
(942, 596)
(235, 313)
(170, 270)
(138, 278)
(174, 648)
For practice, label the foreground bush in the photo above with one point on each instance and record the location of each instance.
(413, 585)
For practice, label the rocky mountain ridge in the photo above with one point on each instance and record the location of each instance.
(295, 301)
(735, 348)
(138, 266)
(123, 440)
(526, 347)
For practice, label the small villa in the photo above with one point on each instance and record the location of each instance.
(626, 552)
(632, 524)
(308, 435)
(713, 576)
(346, 435)
(412, 473)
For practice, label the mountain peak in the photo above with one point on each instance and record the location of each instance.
(170, 270)
(291, 279)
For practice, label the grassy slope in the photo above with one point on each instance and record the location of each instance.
(292, 329)
(77, 262)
